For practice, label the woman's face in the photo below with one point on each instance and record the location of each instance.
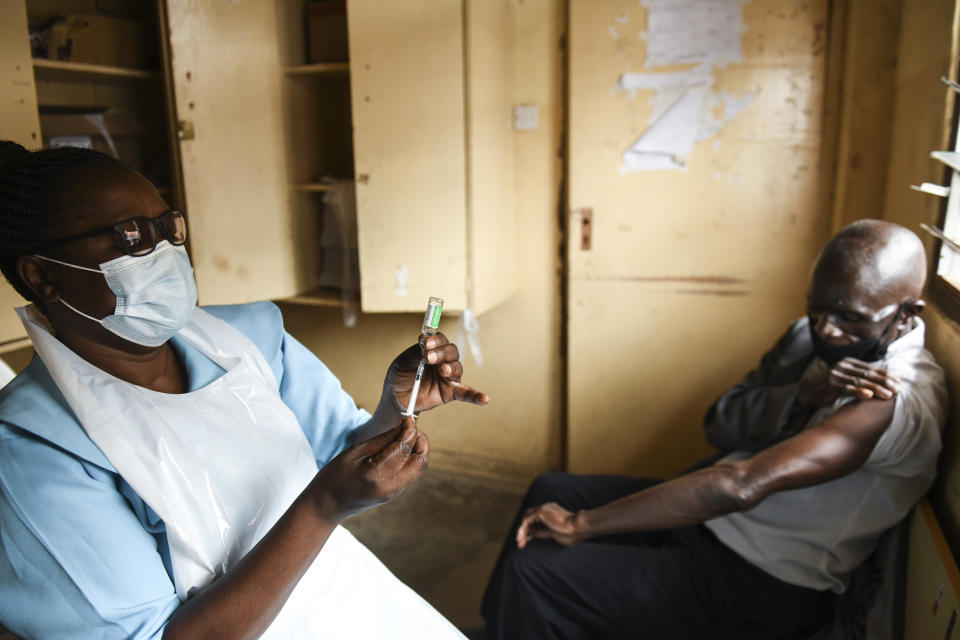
(94, 199)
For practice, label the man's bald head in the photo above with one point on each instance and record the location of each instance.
(879, 259)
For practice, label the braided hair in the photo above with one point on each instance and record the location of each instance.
(34, 188)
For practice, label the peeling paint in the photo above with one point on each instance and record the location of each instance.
(685, 107)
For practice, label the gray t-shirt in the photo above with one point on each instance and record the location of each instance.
(814, 537)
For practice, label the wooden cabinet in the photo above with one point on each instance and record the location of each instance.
(118, 109)
(426, 91)
(419, 117)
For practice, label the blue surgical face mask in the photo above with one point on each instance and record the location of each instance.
(156, 294)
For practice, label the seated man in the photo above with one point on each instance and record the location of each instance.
(830, 442)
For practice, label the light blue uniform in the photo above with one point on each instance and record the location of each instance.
(81, 555)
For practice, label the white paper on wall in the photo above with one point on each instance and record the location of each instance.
(669, 140)
(400, 274)
(706, 33)
(685, 31)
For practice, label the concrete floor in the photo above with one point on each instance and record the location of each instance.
(442, 536)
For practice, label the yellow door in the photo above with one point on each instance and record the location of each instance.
(697, 204)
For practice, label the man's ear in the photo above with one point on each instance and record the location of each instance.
(33, 273)
(913, 308)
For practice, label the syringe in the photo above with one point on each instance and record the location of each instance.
(431, 322)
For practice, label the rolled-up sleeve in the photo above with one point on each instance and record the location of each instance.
(75, 562)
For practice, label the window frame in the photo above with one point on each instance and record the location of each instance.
(944, 293)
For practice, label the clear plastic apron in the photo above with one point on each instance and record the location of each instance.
(219, 466)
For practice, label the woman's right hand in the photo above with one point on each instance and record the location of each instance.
(371, 472)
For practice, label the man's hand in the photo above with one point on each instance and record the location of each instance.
(550, 521)
(852, 377)
(441, 377)
(371, 472)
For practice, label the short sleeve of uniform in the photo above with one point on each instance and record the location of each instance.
(326, 413)
(75, 562)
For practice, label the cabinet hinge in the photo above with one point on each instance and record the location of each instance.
(185, 130)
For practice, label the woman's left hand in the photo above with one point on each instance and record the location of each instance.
(441, 376)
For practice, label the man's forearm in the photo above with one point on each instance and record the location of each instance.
(690, 499)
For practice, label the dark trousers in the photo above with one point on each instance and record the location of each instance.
(662, 585)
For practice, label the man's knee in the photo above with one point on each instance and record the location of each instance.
(548, 487)
(535, 567)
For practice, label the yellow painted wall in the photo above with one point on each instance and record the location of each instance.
(922, 109)
(866, 69)
(519, 431)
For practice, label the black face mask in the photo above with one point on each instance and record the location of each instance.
(868, 349)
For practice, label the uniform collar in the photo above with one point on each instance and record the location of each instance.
(32, 402)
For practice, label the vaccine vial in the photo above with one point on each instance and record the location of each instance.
(431, 319)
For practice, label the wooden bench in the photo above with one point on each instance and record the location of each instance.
(931, 605)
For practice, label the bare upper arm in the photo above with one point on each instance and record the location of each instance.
(834, 448)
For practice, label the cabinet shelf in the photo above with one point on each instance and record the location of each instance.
(58, 69)
(319, 69)
(312, 186)
(67, 124)
(320, 297)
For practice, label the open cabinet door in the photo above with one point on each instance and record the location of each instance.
(696, 195)
(406, 75)
(228, 79)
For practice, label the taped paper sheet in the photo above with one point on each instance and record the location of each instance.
(702, 32)
(467, 333)
(685, 31)
(400, 274)
(670, 139)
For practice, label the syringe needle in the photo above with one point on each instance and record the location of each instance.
(415, 391)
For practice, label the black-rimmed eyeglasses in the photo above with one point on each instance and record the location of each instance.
(137, 236)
